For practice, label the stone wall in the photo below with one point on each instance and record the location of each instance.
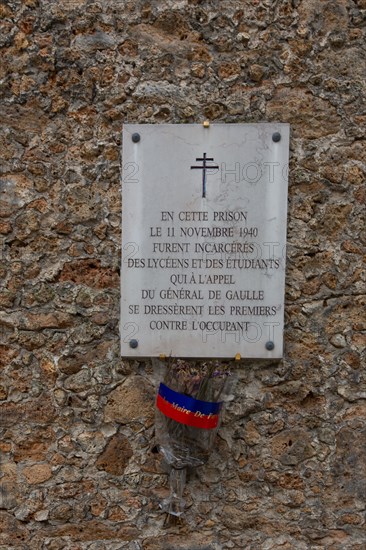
(78, 469)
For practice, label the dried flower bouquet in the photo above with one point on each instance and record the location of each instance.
(189, 407)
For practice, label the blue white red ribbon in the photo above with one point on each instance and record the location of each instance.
(187, 410)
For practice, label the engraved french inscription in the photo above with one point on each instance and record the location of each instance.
(203, 240)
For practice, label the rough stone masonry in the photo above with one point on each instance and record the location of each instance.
(76, 422)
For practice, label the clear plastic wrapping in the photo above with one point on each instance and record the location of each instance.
(189, 407)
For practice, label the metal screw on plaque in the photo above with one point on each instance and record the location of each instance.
(136, 137)
(270, 346)
(134, 344)
(276, 137)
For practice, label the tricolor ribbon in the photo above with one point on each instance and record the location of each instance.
(187, 410)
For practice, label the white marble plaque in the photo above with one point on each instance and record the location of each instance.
(203, 240)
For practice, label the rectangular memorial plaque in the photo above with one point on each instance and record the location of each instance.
(203, 240)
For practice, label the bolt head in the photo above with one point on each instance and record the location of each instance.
(134, 343)
(136, 137)
(276, 137)
(270, 346)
